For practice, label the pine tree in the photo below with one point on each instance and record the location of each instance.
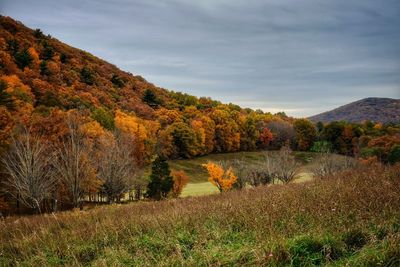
(117, 81)
(161, 181)
(23, 59)
(63, 58)
(12, 46)
(43, 68)
(150, 98)
(47, 52)
(87, 76)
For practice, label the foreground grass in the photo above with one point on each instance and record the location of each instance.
(352, 219)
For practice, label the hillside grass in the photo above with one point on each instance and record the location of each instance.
(352, 219)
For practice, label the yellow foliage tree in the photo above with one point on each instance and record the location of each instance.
(96, 135)
(222, 179)
(180, 181)
(129, 124)
(133, 127)
(21, 93)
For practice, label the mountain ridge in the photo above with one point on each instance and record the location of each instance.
(376, 109)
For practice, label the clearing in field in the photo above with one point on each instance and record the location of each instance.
(199, 185)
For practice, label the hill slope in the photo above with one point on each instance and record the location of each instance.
(43, 79)
(308, 224)
(375, 109)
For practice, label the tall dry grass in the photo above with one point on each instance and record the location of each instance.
(275, 225)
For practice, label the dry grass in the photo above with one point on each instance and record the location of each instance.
(352, 218)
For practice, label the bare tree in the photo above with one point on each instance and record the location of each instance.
(282, 165)
(241, 170)
(248, 174)
(329, 164)
(73, 165)
(116, 169)
(29, 175)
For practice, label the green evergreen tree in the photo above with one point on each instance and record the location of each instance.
(5, 98)
(86, 76)
(150, 98)
(47, 52)
(161, 181)
(23, 59)
(117, 81)
(38, 33)
(43, 68)
(12, 46)
(63, 58)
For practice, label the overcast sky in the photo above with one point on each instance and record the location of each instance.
(298, 56)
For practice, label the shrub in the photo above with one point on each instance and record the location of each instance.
(355, 239)
(87, 76)
(330, 164)
(222, 178)
(394, 154)
(282, 166)
(321, 147)
(117, 81)
(368, 152)
(180, 181)
(305, 250)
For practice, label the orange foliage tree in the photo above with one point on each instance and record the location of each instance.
(265, 138)
(222, 179)
(180, 181)
(133, 127)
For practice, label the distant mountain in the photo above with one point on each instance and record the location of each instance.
(375, 109)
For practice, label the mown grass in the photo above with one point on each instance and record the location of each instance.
(199, 189)
(199, 185)
(352, 219)
(198, 174)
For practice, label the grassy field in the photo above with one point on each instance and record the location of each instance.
(198, 183)
(198, 174)
(352, 219)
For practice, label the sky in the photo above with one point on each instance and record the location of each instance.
(298, 56)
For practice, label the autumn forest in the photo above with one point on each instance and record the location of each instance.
(77, 132)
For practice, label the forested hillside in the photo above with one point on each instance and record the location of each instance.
(383, 110)
(45, 79)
